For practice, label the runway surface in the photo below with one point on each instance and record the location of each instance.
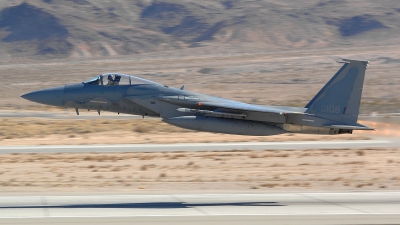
(67, 114)
(389, 143)
(287, 208)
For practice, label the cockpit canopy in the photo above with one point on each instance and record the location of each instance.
(117, 79)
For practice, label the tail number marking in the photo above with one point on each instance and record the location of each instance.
(330, 109)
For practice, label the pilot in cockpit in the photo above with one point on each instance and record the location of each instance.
(113, 80)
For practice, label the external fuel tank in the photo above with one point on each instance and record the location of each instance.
(223, 125)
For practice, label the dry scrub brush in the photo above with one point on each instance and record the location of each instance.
(37, 127)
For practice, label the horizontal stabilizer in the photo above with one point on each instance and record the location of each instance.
(348, 127)
(365, 62)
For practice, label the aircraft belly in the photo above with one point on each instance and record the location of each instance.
(266, 117)
(296, 128)
(305, 120)
(145, 102)
(307, 124)
(227, 126)
(169, 110)
(137, 109)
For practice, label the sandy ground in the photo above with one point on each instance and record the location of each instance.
(45, 131)
(275, 78)
(306, 170)
(118, 137)
(316, 170)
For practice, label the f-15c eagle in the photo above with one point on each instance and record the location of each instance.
(334, 110)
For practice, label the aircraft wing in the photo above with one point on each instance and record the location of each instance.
(240, 110)
(266, 113)
(244, 107)
(233, 109)
(255, 112)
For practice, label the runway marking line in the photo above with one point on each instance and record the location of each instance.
(305, 194)
(202, 215)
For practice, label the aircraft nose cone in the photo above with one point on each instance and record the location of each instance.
(49, 96)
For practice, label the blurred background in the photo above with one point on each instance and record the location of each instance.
(228, 48)
(261, 52)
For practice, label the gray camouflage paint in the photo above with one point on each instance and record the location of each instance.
(333, 110)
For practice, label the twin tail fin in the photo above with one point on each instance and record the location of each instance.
(339, 100)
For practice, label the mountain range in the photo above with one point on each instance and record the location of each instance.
(42, 29)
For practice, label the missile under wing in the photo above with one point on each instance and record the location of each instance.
(334, 110)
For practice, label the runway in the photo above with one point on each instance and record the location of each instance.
(290, 145)
(283, 208)
(66, 114)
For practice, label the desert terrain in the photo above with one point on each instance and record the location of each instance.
(79, 29)
(306, 170)
(259, 52)
(34, 131)
(265, 78)
(235, 170)
(275, 78)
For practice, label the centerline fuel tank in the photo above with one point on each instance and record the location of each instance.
(222, 125)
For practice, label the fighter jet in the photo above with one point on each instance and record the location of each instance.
(334, 110)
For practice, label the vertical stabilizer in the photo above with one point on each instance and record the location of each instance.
(339, 99)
